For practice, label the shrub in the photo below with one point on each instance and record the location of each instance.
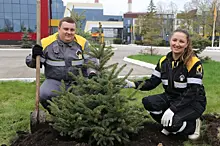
(200, 43)
(26, 40)
(117, 41)
(138, 42)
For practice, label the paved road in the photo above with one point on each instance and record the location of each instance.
(12, 62)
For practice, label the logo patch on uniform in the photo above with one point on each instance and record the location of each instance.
(182, 77)
(199, 70)
(79, 54)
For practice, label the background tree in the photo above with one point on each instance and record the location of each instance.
(161, 7)
(151, 7)
(166, 8)
(186, 20)
(201, 22)
(150, 25)
(172, 8)
(26, 39)
(79, 19)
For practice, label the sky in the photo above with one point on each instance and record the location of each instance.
(119, 7)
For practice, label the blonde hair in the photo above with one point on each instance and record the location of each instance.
(188, 52)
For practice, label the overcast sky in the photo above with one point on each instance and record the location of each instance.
(117, 7)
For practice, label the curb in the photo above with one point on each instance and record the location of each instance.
(136, 77)
(15, 49)
(17, 79)
(140, 63)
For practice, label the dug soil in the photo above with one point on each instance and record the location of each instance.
(149, 136)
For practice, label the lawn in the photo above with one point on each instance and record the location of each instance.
(17, 99)
(16, 103)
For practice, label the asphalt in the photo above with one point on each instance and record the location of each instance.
(12, 64)
(13, 67)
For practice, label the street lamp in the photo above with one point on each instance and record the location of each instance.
(167, 39)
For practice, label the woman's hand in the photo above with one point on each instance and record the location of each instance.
(129, 84)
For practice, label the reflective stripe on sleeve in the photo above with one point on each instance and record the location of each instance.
(180, 85)
(157, 73)
(165, 82)
(62, 63)
(194, 81)
(156, 112)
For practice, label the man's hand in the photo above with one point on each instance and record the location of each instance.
(37, 50)
(167, 118)
(129, 84)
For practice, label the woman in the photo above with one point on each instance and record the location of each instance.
(179, 108)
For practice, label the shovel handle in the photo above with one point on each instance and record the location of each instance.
(37, 84)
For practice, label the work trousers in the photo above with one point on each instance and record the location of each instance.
(158, 104)
(47, 91)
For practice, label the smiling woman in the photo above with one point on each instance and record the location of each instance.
(180, 107)
(181, 46)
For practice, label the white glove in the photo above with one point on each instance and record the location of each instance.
(129, 84)
(167, 118)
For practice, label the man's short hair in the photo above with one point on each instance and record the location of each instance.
(66, 19)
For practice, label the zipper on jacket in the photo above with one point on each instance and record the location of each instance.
(170, 76)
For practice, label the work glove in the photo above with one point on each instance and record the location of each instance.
(129, 84)
(167, 118)
(37, 50)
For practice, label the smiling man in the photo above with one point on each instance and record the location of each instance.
(61, 53)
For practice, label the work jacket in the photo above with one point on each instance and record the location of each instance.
(182, 83)
(60, 58)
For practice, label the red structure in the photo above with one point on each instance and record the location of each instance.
(14, 36)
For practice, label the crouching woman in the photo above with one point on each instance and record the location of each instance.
(180, 107)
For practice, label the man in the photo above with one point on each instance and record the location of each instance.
(61, 53)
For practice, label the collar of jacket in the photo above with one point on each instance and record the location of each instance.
(50, 39)
(170, 57)
(62, 43)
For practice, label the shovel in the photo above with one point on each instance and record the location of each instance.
(37, 117)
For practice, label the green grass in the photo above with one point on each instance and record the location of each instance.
(146, 58)
(16, 103)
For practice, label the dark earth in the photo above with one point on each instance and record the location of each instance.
(149, 136)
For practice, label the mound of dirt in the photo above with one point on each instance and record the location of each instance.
(149, 136)
(213, 129)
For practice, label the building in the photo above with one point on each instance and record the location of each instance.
(15, 15)
(131, 21)
(112, 25)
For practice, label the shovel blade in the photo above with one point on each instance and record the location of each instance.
(37, 123)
